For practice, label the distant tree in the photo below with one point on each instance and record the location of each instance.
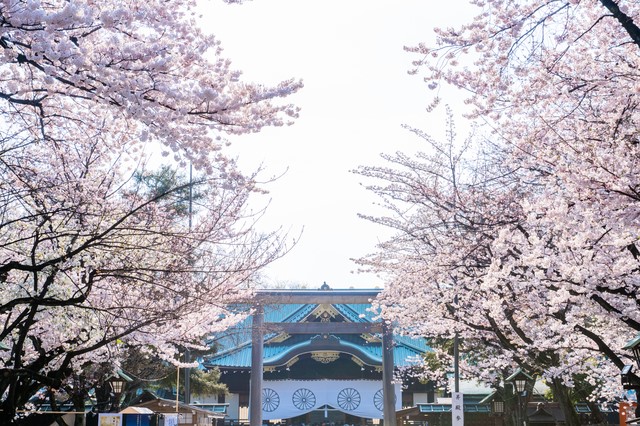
(149, 372)
(162, 180)
(203, 382)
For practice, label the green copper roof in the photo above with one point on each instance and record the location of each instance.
(446, 408)
(633, 342)
(235, 346)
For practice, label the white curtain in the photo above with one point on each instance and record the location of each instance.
(283, 399)
(170, 419)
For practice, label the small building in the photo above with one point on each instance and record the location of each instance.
(186, 415)
(545, 414)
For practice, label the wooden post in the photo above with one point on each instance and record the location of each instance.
(255, 386)
(388, 390)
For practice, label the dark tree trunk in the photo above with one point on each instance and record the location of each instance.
(78, 406)
(562, 395)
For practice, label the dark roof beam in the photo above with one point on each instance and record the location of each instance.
(288, 297)
(323, 327)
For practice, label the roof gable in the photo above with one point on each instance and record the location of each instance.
(235, 347)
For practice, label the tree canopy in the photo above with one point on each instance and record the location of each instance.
(91, 95)
(533, 228)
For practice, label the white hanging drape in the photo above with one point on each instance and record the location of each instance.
(283, 399)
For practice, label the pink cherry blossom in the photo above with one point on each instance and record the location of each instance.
(90, 262)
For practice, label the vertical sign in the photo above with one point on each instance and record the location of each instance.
(457, 409)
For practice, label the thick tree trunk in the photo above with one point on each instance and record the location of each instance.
(5, 417)
(562, 395)
(59, 418)
(78, 406)
(625, 20)
(8, 406)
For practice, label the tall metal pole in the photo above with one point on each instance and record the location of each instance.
(187, 355)
(456, 354)
(177, 388)
(520, 411)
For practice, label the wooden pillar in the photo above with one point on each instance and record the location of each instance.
(388, 390)
(255, 386)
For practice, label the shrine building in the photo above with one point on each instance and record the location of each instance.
(314, 357)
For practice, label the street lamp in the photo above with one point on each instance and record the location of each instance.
(634, 346)
(521, 383)
(497, 408)
(117, 384)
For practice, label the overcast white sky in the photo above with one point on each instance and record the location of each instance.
(357, 95)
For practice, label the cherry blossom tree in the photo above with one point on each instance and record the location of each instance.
(564, 74)
(91, 263)
(450, 271)
(555, 273)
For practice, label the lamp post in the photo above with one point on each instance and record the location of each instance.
(521, 383)
(634, 346)
(497, 408)
(117, 384)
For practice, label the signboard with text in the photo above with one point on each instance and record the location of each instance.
(109, 419)
(457, 409)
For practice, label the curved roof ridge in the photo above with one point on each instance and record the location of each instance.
(228, 351)
(411, 342)
(339, 346)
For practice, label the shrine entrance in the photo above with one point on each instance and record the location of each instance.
(313, 357)
(357, 399)
(327, 417)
